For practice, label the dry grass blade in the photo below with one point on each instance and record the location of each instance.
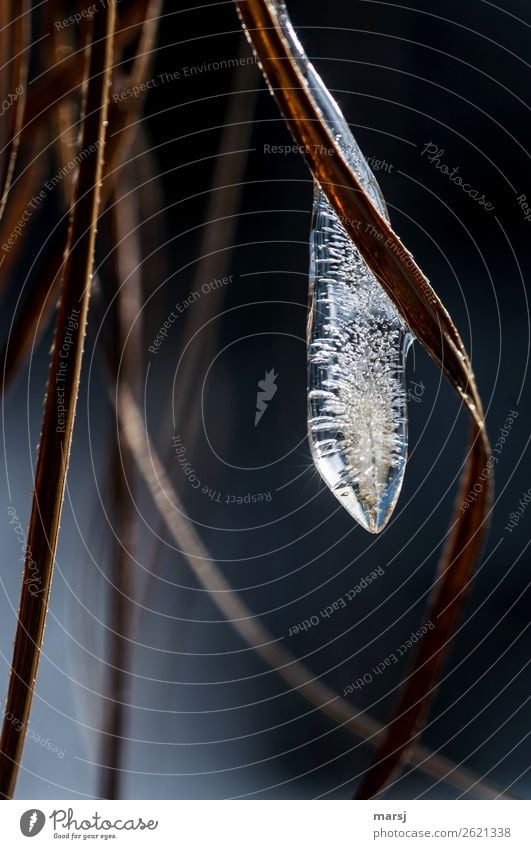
(252, 631)
(60, 45)
(35, 311)
(151, 204)
(411, 292)
(60, 406)
(124, 115)
(33, 165)
(65, 79)
(17, 31)
(126, 290)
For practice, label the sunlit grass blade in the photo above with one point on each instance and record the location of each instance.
(60, 406)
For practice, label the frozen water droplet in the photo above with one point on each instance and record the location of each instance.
(357, 345)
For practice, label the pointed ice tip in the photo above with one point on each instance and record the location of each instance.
(374, 513)
(376, 521)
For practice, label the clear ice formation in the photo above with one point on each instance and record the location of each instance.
(357, 345)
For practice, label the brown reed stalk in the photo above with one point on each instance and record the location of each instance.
(36, 310)
(57, 427)
(125, 277)
(15, 38)
(64, 79)
(294, 673)
(425, 314)
(63, 121)
(33, 165)
(125, 114)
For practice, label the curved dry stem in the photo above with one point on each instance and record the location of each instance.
(60, 407)
(124, 115)
(18, 34)
(294, 673)
(35, 312)
(410, 291)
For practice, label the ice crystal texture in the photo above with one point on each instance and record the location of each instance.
(357, 345)
(357, 401)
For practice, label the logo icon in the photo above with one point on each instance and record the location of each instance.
(266, 390)
(32, 822)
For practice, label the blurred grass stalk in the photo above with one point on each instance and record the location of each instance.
(60, 404)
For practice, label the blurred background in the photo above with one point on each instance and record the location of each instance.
(221, 241)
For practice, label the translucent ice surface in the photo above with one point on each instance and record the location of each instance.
(357, 345)
(357, 401)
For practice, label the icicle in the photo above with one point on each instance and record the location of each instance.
(357, 345)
